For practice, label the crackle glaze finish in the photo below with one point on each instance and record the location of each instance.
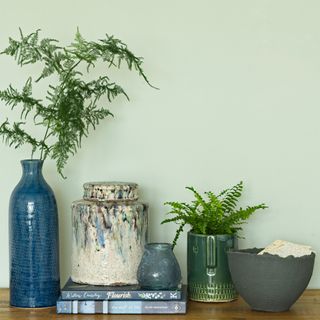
(109, 235)
(34, 242)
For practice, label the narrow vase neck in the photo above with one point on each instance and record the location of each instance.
(158, 246)
(32, 167)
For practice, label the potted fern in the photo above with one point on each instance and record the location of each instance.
(68, 112)
(214, 221)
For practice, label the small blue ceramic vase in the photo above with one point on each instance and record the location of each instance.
(34, 241)
(159, 268)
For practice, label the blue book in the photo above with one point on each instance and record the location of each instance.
(76, 291)
(123, 306)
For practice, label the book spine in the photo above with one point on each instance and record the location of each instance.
(121, 307)
(121, 295)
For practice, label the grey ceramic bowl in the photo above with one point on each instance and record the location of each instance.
(268, 282)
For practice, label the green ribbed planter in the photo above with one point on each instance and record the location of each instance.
(209, 278)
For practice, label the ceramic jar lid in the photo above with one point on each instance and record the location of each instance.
(110, 191)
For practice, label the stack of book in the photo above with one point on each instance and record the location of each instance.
(90, 299)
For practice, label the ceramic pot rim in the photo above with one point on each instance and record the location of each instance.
(158, 245)
(212, 235)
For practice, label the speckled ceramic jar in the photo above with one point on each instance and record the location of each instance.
(109, 233)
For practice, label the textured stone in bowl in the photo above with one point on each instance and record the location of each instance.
(269, 282)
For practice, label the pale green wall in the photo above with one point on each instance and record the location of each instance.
(239, 99)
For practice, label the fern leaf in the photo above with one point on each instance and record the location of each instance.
(230, 197)
(178, 232)
(72, 105)
(199, 199)
(241, 215)
(213, 214)
(16, 136)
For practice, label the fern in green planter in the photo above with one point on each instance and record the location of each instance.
(71, 107)
(211, 214)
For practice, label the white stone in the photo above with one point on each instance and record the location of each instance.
(284, 249)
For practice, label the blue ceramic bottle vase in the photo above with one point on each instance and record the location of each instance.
(33, 240)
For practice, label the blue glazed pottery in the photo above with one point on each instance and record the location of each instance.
(34, 240)
(159, 268)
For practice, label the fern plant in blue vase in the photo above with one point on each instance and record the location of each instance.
(67, 114)
(215, 221)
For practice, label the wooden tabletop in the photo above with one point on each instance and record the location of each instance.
(306, 308)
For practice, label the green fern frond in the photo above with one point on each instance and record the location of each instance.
(178, 232)
(211, 214)
(71, 108)
(229, 197)
(16, 136)
(199, 200)
(241, 215)
(215, 205)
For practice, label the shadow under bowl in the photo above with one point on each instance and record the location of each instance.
(269, 282)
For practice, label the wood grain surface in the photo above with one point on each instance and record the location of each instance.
(306, 308)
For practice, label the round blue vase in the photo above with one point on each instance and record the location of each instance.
(34, 240)
(159, 269)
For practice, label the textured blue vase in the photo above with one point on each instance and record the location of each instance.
(159, 269)
(34, 240)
